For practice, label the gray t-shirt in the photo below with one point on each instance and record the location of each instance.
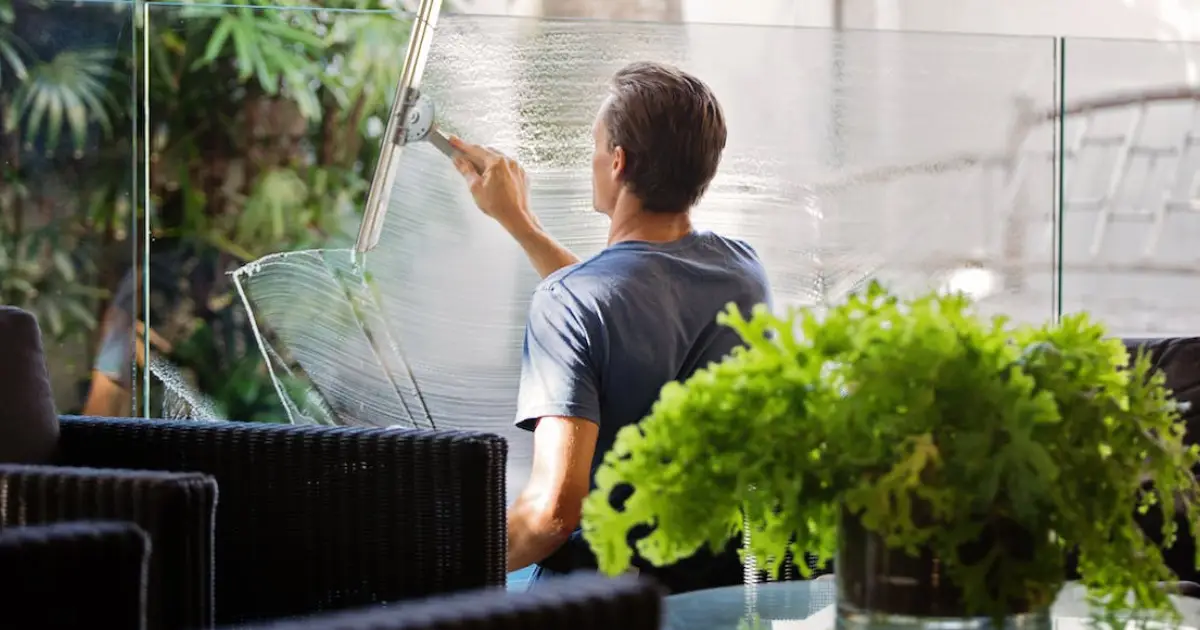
(606, 334)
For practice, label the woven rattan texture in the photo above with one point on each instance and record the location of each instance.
(175, 509)
(577, 602)
(67, 576)
(325, 518)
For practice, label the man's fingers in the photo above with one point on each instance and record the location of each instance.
(479, 165)
(477, 153)
(513, 167)
(468, 170)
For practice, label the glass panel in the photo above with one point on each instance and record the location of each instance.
(67, 237)
(1131, 225)
(855, 156)
(265, 125)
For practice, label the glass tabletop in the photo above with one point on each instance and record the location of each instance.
(808, 605)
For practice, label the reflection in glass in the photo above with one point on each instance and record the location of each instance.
(66, 219)
(264, 130)
(1130, 220)
(851, 157)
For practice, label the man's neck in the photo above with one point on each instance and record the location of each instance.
(631, 223)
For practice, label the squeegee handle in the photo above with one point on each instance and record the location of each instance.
(439, 139)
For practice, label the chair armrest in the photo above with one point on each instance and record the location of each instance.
(176, 510)
(575, 602)
(321, 518)
(70, 575)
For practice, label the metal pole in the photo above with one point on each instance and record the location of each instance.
(380, 193)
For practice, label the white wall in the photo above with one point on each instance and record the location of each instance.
(1126, 19)
(1174, 20)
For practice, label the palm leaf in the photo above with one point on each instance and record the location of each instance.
(11, 61)
(273, 49)
(65, 93)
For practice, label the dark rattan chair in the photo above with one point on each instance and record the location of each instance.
(74, 576)
(174, 509)
(325, 518)
(575, 602)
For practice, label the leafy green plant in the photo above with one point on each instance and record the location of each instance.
(926, 423)
(68, 91)
(38, 272)
(259, 127)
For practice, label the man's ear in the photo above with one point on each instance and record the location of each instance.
(618, 162)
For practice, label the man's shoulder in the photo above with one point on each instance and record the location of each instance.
(577, 287)
(739, 255)
(735, 244)
(605, 271)
(571, 275)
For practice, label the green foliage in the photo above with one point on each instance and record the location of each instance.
(263, 113)
(238, 389)
(928, 423)
(257, 121)
(12, 63)
(67, 92)
(38, 273)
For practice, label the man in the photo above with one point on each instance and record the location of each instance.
(605, 334)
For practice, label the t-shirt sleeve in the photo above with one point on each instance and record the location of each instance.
(558, 377)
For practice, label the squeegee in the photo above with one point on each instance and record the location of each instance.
(411, 119)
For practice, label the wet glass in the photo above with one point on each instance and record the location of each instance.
(852, 156)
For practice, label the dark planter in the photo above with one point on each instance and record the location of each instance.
(875, 581)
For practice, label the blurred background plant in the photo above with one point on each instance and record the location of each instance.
(263, 129)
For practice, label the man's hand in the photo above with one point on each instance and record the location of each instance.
(501, 189)
(498, 184)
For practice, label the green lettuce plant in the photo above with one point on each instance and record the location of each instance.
(887, 407)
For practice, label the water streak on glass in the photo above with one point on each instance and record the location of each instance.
(180, 400)
(433, 322)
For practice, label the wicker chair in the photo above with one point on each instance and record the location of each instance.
(68, 576)
(175, 510)
(575, 602)
(324, 518)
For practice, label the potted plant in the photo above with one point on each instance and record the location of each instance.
(950, 462)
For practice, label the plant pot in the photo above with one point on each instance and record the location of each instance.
(879, 587)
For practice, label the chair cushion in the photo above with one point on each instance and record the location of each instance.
(28, 422)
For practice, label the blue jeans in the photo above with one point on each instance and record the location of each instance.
(702, 571)
(541, 573)
(574, 555)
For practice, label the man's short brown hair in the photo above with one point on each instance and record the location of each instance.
(672, 131)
